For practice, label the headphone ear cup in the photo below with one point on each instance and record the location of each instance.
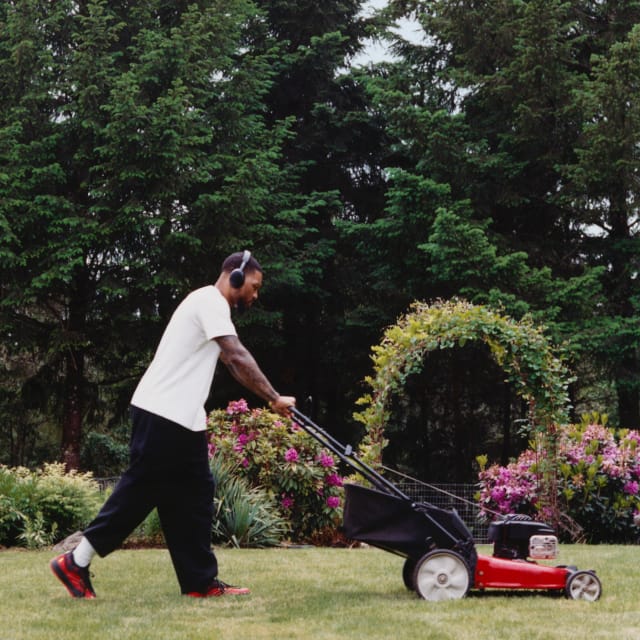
(236, 278)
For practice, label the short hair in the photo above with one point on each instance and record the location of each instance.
(234, 261)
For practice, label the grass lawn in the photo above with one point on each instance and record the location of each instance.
(310, 593)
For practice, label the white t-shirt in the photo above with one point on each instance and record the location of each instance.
(177, 382)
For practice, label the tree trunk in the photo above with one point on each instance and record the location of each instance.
(622, 292)
(72, 418)
(74, 371)
(628, 396)
(506, 424)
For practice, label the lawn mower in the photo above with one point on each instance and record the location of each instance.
(441, 561)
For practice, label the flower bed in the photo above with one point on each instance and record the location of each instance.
(598, 482)
(276, 454)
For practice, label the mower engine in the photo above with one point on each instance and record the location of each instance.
(518, 537)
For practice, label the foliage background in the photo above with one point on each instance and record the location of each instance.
(42, 507)
(493, 158)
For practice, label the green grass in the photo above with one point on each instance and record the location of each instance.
(310, 593)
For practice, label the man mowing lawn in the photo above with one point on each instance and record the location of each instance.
(169, 465)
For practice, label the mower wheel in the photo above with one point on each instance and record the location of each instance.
(441, 575)
(407, 573)
(583, 585)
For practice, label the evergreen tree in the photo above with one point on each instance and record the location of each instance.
(502, 89)
(603, 186)
(134, 157)
(333, 157)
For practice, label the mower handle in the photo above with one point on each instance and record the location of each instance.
(346, 454)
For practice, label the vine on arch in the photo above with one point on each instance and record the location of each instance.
(520, 348)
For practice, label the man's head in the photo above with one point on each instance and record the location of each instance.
(240, 279)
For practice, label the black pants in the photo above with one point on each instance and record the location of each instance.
(169, 469)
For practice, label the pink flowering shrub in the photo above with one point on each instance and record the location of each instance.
(276, 454)
(598, 482)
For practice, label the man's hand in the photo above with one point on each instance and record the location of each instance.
(282, 405)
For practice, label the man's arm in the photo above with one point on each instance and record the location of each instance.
(244, 368)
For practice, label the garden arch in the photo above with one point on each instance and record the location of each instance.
(520, 348)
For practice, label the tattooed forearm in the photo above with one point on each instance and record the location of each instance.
(244, 368)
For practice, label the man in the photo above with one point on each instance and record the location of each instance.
(169, 466)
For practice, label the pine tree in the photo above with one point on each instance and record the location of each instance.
(134, 158)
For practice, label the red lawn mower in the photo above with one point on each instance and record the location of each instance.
(441, 559)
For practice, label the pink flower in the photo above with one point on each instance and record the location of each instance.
(237, 406)
(286, 502)
(245, 462)
(241, 441)
(333, 502)
(325, 460)
(291, 455)
(334, 480)
(631, 487)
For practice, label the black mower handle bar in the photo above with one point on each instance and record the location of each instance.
(346, 454)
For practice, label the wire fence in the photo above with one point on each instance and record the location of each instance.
(461, 497)
(107, 483)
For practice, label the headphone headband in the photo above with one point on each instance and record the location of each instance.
(246, 256)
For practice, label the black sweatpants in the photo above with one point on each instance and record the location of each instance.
(169, 469)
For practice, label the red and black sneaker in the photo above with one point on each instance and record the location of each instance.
(219, 588)
(76, 579)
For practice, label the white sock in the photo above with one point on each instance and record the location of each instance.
(83, 553)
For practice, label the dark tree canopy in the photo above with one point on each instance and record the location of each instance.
(141, 142)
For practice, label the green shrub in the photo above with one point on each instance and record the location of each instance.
(41, 507)
(277, 455)
(11, 519)
(37, 533)
(245, 516)
(104, 455)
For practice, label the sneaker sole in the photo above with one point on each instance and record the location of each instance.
(62, 576)
(218, 594)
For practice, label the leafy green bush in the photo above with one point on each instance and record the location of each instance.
(38, 508)
(598, 482)
(104, 455)
(277, 455)
(245, 516)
